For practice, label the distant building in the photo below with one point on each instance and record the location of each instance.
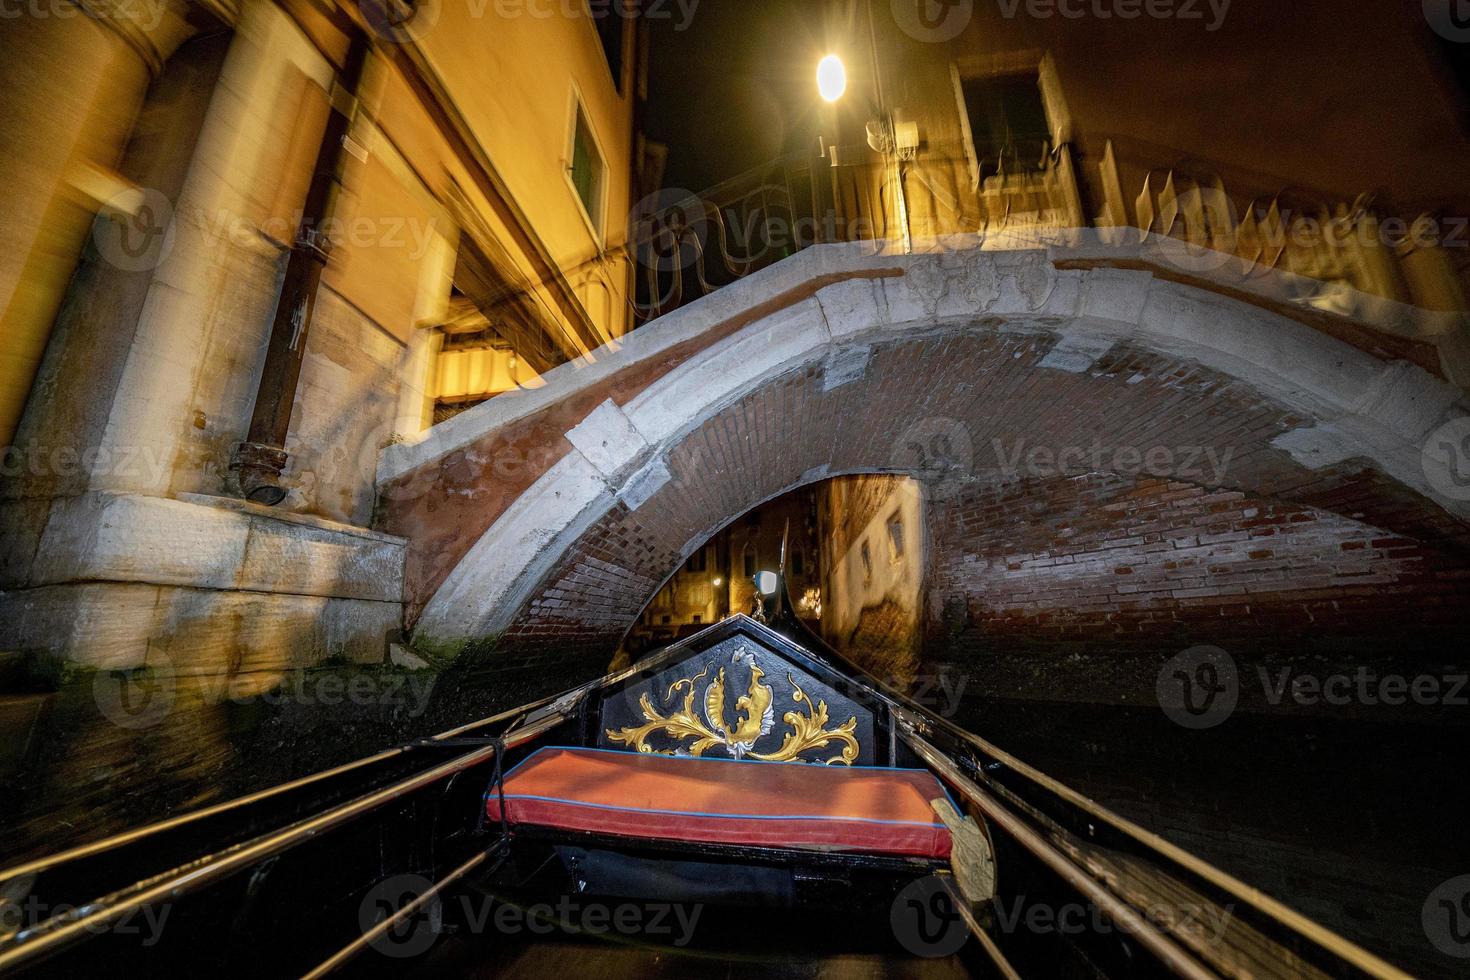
(719, 577)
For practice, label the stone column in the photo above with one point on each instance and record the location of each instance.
(71, 83)
(188, 379)
(124, 560)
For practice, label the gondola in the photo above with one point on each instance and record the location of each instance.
(742, 802)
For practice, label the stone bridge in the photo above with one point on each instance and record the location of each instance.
(551, 516)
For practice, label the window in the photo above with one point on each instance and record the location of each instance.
(895, 537)
(1007, 121)
(610, 32)
(798, 565)
(586, 168)
(665, 620)
(696, 562)
(749, 562)
(697, 619)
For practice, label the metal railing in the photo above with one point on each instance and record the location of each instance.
(1249, 224)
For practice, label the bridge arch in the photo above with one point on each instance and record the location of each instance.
(841, 361)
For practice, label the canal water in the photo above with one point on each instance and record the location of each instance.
(1351, 821)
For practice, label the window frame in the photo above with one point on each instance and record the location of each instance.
(596, 223)
(897, 545)
(1007, 65)
(616, 76)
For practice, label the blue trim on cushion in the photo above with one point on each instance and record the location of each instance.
(936, 825)
(691, 758)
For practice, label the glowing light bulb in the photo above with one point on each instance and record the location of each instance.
(831, 78)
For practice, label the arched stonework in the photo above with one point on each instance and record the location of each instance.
(984, 346)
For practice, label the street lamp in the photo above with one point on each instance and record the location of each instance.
(832, 84)
(831, 78)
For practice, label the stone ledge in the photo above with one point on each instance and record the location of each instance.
(1386, 329)
(123, 625)
(288, 517)
(203, 544)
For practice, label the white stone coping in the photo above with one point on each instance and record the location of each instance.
(291, 517)
(1448, 332)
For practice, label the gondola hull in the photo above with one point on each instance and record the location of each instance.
(740, 793)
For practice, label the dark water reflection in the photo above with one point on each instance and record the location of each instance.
(102, 752)
(1353, 822)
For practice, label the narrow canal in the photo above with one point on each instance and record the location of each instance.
(1353, 822)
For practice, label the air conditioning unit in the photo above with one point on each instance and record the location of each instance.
(901, 138)
(906, 137)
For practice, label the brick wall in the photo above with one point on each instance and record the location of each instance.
(990, 393)
(1103, 564)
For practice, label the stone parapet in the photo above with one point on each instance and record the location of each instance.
(116, 579)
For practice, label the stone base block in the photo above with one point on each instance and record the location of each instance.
(185, 631)
(194, 586)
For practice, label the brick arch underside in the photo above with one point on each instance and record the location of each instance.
(799, 428)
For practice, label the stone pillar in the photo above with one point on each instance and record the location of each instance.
(421, 361)
(187, 383)
(127, 555)
(71, 83)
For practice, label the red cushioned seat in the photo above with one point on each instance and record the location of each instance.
(721, 801)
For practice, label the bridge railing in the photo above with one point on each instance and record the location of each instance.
(1340, 256)
(687, 245)
(1393, 288)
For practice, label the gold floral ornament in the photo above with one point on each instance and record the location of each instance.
(755, 717)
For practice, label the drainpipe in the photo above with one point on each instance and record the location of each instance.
(262, 457)
(901, 201)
